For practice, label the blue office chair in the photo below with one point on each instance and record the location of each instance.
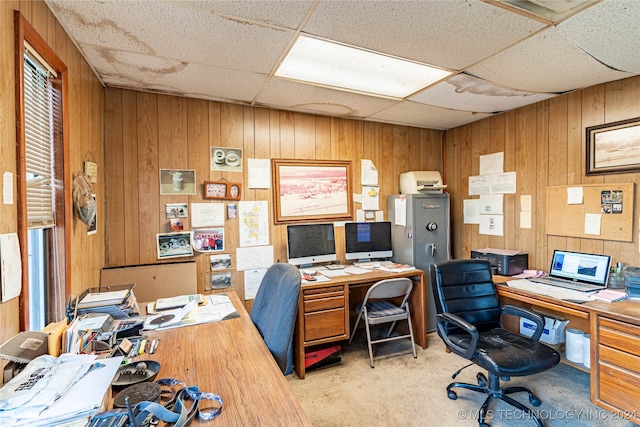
(274, 312)
(469, 322)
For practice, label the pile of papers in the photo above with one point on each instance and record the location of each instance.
(53, 391)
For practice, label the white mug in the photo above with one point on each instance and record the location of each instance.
(574, 342)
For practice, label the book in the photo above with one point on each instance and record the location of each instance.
(25, 346)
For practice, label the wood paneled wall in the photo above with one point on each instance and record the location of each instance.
(86, 114)
(147, 132)
(545, 145)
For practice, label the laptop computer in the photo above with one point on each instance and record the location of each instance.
(578, 271)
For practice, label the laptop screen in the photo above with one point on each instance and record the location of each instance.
(580, 267)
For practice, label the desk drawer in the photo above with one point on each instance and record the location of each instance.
(622, 336)
(324, 324)
(323, 299)
(620, 389)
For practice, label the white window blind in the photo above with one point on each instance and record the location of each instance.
(39, 159)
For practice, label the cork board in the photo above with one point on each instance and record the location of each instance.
(613, 203)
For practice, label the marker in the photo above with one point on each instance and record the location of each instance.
(143, 345)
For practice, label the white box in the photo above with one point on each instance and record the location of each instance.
(553, 332)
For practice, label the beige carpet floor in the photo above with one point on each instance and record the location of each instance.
(403, 391)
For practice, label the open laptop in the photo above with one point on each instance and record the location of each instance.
(578, 271)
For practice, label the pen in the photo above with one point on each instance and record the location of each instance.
(154, 346)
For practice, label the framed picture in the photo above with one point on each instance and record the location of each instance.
(226, 159)
(221, 190)
(172, 245)
(311, 190)
(177, 181)
(613, 147)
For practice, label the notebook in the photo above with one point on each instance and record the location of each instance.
(576, 270)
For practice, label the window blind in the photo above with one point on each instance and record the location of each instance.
(39, 159)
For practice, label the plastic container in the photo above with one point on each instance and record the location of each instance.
(632, 281)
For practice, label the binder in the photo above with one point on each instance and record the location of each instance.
(25, 346)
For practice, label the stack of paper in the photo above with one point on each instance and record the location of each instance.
(66, 390)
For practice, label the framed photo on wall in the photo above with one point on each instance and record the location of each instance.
(613, 147)
(221, 190)
(311, 190)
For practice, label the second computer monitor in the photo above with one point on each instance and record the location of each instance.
(367, 240)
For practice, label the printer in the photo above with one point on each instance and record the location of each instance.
(504, 263)
(419, 182)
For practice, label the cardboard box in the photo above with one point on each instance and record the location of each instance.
(553, 332)
(319, 357)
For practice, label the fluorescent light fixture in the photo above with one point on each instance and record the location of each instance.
(330, 64)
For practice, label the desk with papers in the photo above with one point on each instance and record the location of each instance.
(229, 358)
(615, 342)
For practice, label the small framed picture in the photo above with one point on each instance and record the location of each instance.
(221, 190)
(214, 190)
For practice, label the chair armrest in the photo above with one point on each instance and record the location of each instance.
(527, 314)
(442, 320)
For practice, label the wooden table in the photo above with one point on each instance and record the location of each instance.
(229, 358)
(324, 308)
(615, 344)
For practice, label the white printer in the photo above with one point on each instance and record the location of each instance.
(419, 182)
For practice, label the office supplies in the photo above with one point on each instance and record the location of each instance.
(504, 263)
(578, 271)
(25, 346)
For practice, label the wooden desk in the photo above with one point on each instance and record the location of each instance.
(615, 344)
(230, 358)
(323, 310)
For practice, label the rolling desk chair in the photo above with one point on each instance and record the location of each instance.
(469, 322)
(274, 312)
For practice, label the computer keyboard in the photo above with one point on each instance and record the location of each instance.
(549, 290)
(568, 284)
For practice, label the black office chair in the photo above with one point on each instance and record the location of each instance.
(469, 321)
(274, 312)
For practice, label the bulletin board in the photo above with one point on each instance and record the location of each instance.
(613, 203)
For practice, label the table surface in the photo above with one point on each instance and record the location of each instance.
(229, 358)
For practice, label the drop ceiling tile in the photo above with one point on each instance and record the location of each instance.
(448, 34)
(150, 73)
(202, 37)
(282, 13)
(426, 116)
(529, 66)
(321, 100)
(468, 93)
(617, 25)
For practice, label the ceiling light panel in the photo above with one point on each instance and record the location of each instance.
(325, 63)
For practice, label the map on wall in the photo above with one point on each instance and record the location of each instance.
(254, 223)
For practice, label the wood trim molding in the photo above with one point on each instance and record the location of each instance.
(25, 32)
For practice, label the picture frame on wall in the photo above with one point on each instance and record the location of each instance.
(613, 147)
(311, 190)
(173, 245)
(221, 190)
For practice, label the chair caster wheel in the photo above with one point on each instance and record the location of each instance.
(534, 400)
(452, 395)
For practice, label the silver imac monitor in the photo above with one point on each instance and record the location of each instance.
(310, 243)
(367, 240)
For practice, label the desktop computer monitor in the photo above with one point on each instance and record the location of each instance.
(310, 243)
(367, 240)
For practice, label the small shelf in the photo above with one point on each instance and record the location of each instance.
(579, 366)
